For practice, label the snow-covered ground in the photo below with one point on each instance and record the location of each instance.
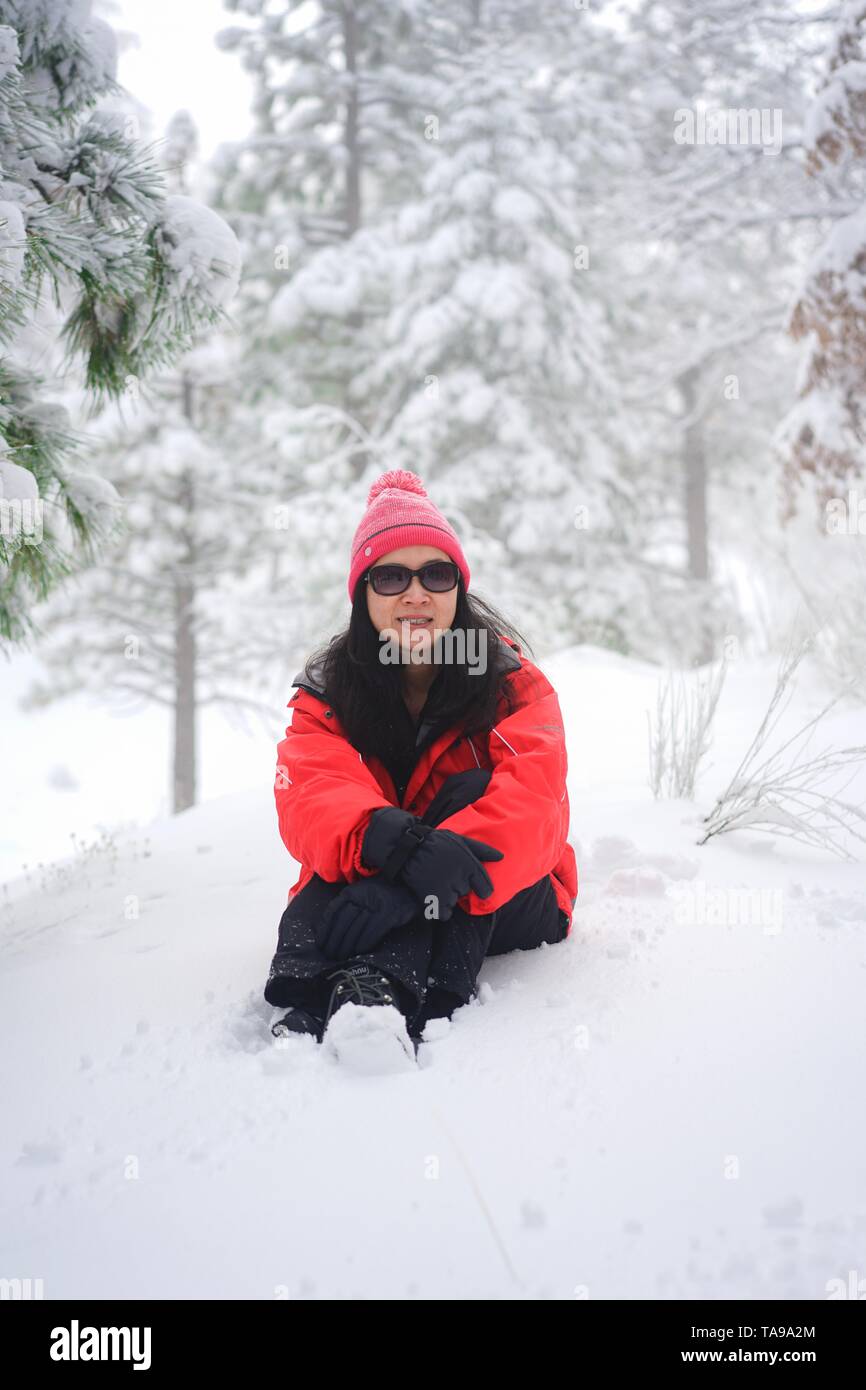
(667, 1105)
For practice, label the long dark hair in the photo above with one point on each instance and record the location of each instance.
(366, 693)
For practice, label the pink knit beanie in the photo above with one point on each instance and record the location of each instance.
(399, 513)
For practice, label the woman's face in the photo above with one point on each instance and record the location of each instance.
(416, 601)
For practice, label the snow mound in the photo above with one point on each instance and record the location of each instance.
(370, 1039)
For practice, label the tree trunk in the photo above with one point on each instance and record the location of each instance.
(360, 458)
(695, 468)
(184, 705)
(185, 650)
(353, 162)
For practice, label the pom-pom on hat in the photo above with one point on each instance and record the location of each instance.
(399, 513)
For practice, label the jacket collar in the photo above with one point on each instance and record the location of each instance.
(310, 677)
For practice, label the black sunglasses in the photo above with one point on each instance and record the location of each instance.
(438, 576)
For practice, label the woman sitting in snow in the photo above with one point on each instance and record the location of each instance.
(421, 788)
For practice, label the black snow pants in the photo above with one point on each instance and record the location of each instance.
(436, 963)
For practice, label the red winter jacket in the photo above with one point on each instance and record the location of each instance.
(326, 791)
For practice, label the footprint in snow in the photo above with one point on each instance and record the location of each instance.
(38, 1152)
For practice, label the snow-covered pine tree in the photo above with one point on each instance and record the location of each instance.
(342, 91)
(132, 275)
(493, 375)
(344, 94)
(329, 377)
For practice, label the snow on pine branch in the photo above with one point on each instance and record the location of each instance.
(201, 252)
(133, 272)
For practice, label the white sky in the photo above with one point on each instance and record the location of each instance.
(176, 65)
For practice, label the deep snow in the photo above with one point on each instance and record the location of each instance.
(666, 1105)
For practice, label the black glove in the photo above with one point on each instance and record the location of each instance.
(446, 865)
(385, 845)
(361, 915)
(430, 862)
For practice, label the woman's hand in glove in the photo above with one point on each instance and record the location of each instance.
(432, 863)
(445, 866)
(362, 915)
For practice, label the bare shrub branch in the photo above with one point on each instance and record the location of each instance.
(786, 795)
(679, 736)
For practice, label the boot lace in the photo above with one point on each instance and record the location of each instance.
(359, 989)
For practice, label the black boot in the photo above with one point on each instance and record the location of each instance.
(438, 1003)
(298, 1021)
(362, 984)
